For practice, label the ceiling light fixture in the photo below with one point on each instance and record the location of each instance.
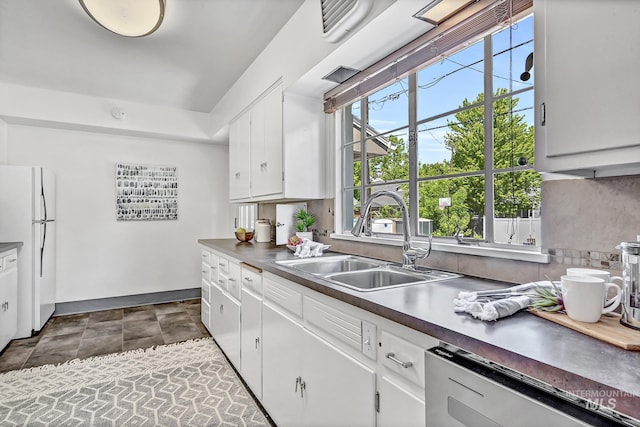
(128, 18)
(438, 11)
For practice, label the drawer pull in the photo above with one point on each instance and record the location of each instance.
(248, 280)
(392, 357)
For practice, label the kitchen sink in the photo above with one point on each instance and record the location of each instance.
(364, 274)
(389, 277)
(373, 279)
(331, 265)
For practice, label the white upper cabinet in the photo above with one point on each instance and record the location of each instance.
(239, 165)
(277, 149)
(587, 90)
(266, 145)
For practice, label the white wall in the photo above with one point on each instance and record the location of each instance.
(98, 256)
(3, 142)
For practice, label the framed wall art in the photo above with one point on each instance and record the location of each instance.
(146, 193)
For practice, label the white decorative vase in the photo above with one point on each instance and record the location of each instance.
(308, 235)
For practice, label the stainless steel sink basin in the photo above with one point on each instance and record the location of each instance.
(374, 279)
(331, 265)
(385, 278)
(364, 274)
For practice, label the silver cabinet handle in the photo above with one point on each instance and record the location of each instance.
(392, 357)
(257, 341)
(231, 280)
(204, 271)
(298, 380)
(221, 307)
(248, 280)
(237, 175)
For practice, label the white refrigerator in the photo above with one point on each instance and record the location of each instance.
(27, 215)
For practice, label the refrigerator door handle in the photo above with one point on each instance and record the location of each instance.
(44, 199)
(44, 239)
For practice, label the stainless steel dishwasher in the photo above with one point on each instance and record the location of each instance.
(463, 389)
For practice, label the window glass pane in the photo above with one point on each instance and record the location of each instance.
(351, 159)
(446, 85)
(517, 208)
(388, 157)
(388, 109)
(351, 202)
(452, 144)
(385, 212)
(352, 116)
(509, 64)
(452, 203)
(513, 138)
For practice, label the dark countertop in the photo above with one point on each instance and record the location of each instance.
(526, 343)
(7, 246)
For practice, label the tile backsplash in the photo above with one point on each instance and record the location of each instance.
(587, 259)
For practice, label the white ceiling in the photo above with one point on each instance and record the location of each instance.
(201, 49)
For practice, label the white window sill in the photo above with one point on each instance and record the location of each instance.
(488, 251)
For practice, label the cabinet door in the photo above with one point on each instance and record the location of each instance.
(251, 341)
(8, 300)
(339, 390)
(399, 407)
(282, 358)
(266, 144)
(225, 324)
(239, 157)
(587, 90)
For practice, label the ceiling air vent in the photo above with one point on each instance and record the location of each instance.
(339, 17)
(341, 74)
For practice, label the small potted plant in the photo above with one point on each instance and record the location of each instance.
(304, 220)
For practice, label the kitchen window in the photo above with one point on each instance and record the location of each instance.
(456, 139)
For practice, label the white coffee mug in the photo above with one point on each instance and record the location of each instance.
(584, 297)
(601, 274)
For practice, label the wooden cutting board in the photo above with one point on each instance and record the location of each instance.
(608, 329)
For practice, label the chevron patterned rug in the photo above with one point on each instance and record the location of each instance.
(183, 384)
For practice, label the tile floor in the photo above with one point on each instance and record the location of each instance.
(102, 332)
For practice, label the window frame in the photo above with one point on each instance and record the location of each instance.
(344, 121)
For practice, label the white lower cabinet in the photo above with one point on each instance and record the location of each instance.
(398, 406)
(310, 359)
(309, 382)
(251, 341)
(8, 296)
(225, 324)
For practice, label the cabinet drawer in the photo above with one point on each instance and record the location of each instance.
(395, 351)
(233, 280)
(338, 324)
(251, 281)
(282, 295)
(205, 312)
(223, 266)
(206, 257)
(206, 272)
(206, 291)
(8, 260)
(222, 282)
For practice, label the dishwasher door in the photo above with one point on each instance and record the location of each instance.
(463, 392)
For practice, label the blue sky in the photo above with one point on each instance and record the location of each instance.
(444, 85)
